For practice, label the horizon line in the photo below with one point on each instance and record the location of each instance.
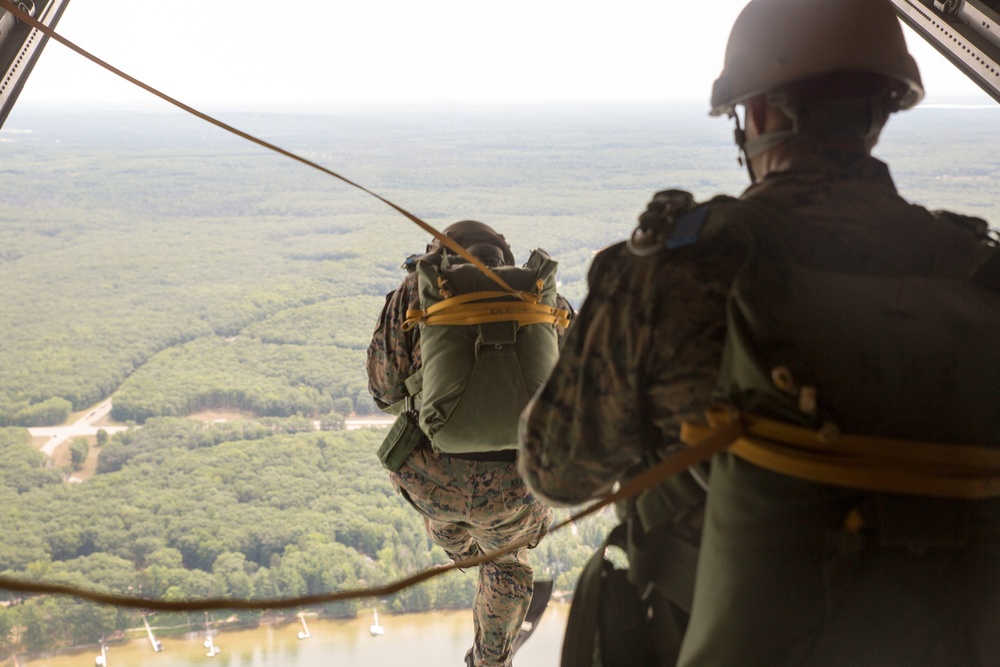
(948, 101)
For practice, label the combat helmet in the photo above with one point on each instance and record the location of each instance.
(471, 233)
(777, 43)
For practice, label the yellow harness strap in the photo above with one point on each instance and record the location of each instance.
(863, 462)
(463, 309)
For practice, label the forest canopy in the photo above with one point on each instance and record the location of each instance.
(183, 511)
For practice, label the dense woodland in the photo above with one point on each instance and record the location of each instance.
(155, 260)
(181, 510)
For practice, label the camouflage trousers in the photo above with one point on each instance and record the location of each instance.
(475, 507)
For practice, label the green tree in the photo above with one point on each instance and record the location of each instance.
(89, 622)
(49, 412)
(78, 451)
(332, 422)
(232, 575)
(35, 621)
(343, 405)
(102, 437)
(6, 626)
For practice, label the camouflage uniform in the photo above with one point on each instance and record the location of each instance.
(616, 399)
(469, 506)
(779, 582)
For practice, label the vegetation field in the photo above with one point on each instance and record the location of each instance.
(157, 261)
(161, 259)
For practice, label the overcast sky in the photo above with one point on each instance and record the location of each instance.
(260, 54)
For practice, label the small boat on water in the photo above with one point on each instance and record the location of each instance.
(304, 632)
(209, 643)
(213, 650)
(102, 659)
(376, 629)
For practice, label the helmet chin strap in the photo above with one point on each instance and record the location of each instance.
(751, 148)
(740, 137)
(853, 119)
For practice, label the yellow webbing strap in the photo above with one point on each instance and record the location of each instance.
(462, 310)
(885, 465)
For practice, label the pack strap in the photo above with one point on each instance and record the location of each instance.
(463, 309)
(885, 465)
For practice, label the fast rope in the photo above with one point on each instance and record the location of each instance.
(670, 466)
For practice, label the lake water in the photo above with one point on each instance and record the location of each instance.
(435, 639)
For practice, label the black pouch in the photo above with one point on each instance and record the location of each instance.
(404, 436)
(608, 624)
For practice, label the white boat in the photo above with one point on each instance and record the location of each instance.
(213, 650)
(376, 629)
(102, 659)
(209, 643)
(304, 632)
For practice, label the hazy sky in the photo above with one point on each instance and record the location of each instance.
(255, 54)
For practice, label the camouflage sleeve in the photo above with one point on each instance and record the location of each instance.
(641, 356)
(394, 354)
(590, 399)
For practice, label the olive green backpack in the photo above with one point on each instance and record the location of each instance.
(476, 379)
(906, 356)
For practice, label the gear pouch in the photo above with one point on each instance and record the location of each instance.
(404, 436)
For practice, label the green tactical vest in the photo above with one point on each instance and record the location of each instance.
(477, 379)
(912, 357)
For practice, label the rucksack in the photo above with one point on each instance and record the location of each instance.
(904, 356)
(478, 373)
